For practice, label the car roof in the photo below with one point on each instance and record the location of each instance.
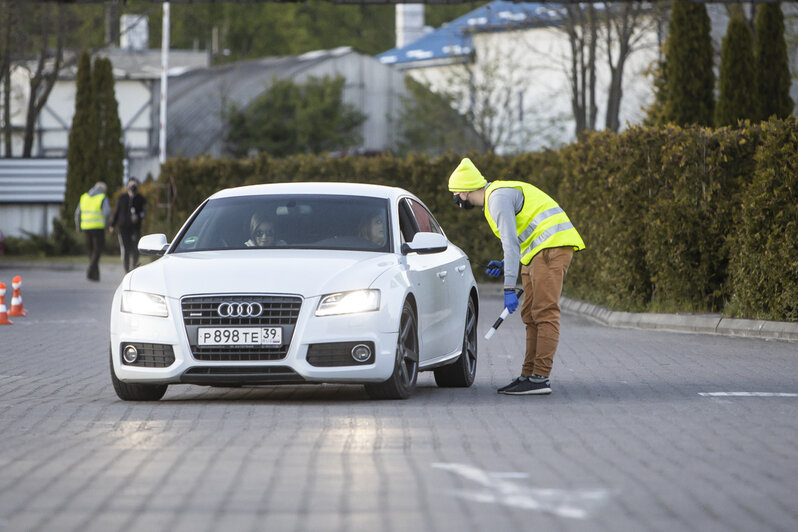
(347, 189)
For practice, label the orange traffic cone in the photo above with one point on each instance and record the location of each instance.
(16, 299)
(3, 313)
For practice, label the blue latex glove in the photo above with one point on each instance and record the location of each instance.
(495, 268)
(510, 300)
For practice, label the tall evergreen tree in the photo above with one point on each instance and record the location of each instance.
(110, 150)
(82, 171)
(689, 77)
(772, 66)
(655, 113)
(736, 85)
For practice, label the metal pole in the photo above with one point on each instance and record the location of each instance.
(164, 70)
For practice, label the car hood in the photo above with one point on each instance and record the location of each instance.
(305, 272)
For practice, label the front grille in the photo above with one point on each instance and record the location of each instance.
(277, 310)
(150, 355)
(336, 354)
(201, 311)
(220, 375)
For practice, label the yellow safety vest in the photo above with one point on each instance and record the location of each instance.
(91, 212)
(541, 223)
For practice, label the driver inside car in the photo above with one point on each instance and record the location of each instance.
(373, 228)
(261, 232)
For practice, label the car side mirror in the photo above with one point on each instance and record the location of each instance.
(425, 243)
(153, 244)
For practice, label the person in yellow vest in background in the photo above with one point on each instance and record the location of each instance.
(91, 218)
(537, 234)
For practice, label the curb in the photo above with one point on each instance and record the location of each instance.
(691, 323)
(695, 323)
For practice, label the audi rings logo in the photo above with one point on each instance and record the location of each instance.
(239, 310)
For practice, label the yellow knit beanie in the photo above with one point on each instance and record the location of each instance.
(466, 177)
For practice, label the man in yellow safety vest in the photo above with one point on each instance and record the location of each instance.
(91, 218)
(535, 232)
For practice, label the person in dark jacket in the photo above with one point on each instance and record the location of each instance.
(130, 210)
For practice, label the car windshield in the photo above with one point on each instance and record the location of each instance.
(356, 223)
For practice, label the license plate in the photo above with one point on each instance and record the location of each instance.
(240, 336)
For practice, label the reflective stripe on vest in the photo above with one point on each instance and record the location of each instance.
(91, 212)
(537, 229)
(530, 230)
(545, 235)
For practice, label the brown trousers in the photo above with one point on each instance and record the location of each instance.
(542, 280)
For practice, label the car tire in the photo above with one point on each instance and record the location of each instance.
(135, 392)
(402, 382)
(461, 374)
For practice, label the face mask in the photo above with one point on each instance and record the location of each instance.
(460, 202)
(133, 188)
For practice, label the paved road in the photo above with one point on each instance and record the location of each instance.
(627, 441)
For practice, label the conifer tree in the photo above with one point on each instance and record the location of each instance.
(772, 66)
(110, 150)
(82, 151)
(655, 113)
(689, 77)
(736, 85)
(290, 118)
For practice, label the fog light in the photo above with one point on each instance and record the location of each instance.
(130, 354)
(361, 352)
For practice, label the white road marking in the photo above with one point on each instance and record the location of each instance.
(509, 475)
(575, 504)
(747, 394)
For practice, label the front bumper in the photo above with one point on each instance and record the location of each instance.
(371, 328)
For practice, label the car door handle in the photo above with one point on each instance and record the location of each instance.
(461, 268)
(443, 274)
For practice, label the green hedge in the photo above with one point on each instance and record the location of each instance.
(597, 193)
(691, 220)
(657, 208)
(765, 262)
(675, 219)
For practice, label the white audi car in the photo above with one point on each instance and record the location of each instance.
(298, 283)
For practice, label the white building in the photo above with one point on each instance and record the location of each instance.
(136, 85)
(513, 58)
(31, 195)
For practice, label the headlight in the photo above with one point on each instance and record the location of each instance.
(144, 303)
(349, 302)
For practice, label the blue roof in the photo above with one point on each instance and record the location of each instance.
(454, 39)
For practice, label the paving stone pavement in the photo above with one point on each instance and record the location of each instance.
(625, 442)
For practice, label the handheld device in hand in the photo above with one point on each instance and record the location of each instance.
(503, 316)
